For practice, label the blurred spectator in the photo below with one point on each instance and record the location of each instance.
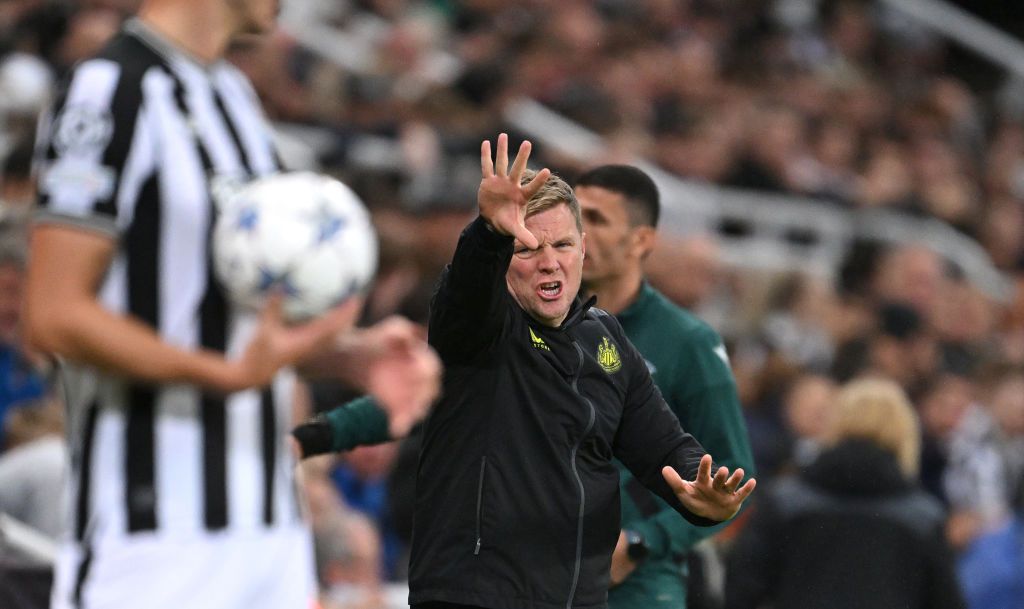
(900, 347)
(795, 323)
(361, 477)
(26, 83)
(991, 569)
(21, 373)
(346, 544)
(965, 324)
(699, 255)
(942, 400)
(789, 434)
(853, 529)
(910, 275)
(830, 170)
(1001, 231)
(347, 558)
(986, 467)
(33, 466)
(885, 180)
(17, 188)
(808, 410)
(776, 144)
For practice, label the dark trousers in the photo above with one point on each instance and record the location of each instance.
(442, 605)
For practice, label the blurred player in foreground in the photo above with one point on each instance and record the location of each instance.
(181, 492)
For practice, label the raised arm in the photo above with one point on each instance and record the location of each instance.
(467, 312)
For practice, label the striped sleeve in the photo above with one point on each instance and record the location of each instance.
(84, 147)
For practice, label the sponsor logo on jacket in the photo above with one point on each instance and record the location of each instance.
(538, 342)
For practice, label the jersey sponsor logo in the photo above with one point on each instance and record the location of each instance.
(538, 342)
(608, 356)
(82, 130)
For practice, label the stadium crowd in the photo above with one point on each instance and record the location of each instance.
(843, 101)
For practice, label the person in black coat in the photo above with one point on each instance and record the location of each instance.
(854, 529)
(517, 496)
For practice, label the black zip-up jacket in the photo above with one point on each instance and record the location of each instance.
(517, 498)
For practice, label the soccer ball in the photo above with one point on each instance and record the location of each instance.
(303, 234)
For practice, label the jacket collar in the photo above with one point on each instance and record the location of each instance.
(577, 311)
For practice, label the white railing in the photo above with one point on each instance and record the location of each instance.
(967, 30)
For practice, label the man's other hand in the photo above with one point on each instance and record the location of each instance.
(717, 498)
(404, 377)
(622, 564)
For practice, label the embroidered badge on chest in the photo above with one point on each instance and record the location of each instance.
(608, 356)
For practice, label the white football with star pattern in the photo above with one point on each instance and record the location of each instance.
(303, 234)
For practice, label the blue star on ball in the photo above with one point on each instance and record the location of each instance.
(247, 219)
(279, 281)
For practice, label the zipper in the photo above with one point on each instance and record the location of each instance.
(579, 481)
(479, 503)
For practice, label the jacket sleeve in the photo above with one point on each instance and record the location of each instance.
(469, 308)
(649, 436)
(706, 402)
(360, 422)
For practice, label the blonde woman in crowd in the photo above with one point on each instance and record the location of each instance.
(854, 528)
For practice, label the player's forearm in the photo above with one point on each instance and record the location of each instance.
(85, 332)
(347, 361)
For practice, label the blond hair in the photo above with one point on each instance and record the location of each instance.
(878, 410)
(555, 191)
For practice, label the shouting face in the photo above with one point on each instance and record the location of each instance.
(545, 280)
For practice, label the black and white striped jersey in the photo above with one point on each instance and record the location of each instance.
(130, 149)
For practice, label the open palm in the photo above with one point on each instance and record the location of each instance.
(501, 197)
(718, 497)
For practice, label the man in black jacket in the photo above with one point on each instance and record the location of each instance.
(517, 497)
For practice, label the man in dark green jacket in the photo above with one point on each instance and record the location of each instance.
(620, 206)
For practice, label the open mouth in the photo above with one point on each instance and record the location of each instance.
(550, 290)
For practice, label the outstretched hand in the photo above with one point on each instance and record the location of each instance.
(404, 374)
(717, 498)
(276, 343)
(501, 197)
